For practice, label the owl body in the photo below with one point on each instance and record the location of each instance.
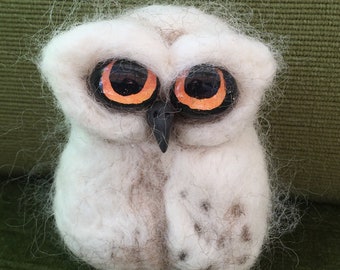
(120, 203)
(157, 211)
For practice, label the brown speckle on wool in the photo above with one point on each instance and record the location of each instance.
(205, 206)
(171, 36)
(236, 210)
(245, 234)
(182, 255)
(242, 260)
(221, 242)
(133, 253)
(183, 194)
(198, 229)
(225, 236)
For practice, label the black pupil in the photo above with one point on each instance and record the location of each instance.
(202, 81)
(127, 77)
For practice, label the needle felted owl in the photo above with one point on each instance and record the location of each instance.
(163, 168)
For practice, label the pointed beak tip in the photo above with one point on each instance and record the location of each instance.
(160, 118)
(163, 148)
(161, 141)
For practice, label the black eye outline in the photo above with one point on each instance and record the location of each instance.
(184, 99)
(137, 76)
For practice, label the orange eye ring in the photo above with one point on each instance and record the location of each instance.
(124, 83)
(204, 90)
(144, 94)
(200, 104)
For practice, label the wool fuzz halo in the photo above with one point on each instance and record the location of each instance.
(205, 203)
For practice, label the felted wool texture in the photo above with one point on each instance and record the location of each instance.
(119, 202)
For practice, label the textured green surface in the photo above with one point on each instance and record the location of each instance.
(304, 128)
(28, 242)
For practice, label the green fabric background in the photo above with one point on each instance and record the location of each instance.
(304, 129)
(304, 133)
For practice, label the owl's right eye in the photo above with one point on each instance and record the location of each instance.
(124, 83)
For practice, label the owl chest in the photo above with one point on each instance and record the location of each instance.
(108, 178)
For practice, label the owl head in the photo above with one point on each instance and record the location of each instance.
(175, 72)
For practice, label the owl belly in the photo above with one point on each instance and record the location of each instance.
(108, 206)
(120, 207)
(217, 202)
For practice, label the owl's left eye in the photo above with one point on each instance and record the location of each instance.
(124, 83)
(204, 90)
